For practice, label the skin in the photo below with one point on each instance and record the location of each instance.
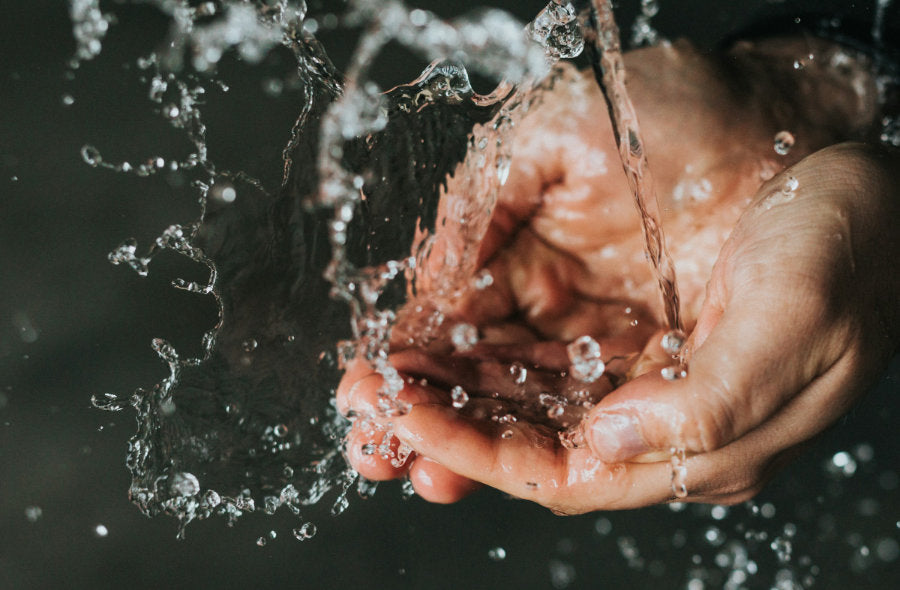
(789, 297)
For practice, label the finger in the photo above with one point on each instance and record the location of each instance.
(364, 455)
(435, 483)
(748, 367)
(529, 463)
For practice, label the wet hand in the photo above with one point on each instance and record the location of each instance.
(566, 259)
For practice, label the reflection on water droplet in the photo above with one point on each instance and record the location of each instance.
(464, 337)
(673, 373)
(305, 532)
(672, 342)
(784, 141)
(184, 484)
(584, 354)
(459, 397)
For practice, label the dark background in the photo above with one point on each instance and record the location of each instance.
(72, 325)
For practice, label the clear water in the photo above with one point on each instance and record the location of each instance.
(248, 425)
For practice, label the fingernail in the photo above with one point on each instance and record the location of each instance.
(615, 437)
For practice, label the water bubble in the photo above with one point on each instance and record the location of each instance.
(33, 513)
(184, 484)
(464, 337)
(497, 554)
(67, 100)
(101, 531)
(506, 434)
(261, 542)
(483, 279)
(584, 354)
(784, 141)
(249, 345)
(459, 397)
(305, 532)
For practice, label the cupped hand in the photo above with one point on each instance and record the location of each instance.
(798, 316)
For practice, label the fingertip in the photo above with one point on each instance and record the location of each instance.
(435, 483)
(372, 465)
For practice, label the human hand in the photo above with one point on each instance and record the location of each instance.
(567, 261)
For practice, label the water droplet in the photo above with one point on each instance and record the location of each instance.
(68, 100)
(33, 513)
(101, 531)
(184, 484)
(261, 542)
(556, 28)
(573, 438)
(784, 141)
(483, 279)
(464, 337)
(249, 345)
(519, 373)
(673, 341)
(459, 397)
(91, 155)
(584, 354)
(673, 373)
(497, 554)
(305, 532)
(506, 434)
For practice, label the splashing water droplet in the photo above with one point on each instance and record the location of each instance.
(464, 337)
(459, 397)
(184, 484)
(91, 155)
(519, 373)
(584, 354)
(784, 141)
(305, 532)
(556, 29)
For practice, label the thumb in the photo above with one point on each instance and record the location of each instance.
(746, 364)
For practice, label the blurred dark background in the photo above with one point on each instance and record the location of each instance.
(72, 325)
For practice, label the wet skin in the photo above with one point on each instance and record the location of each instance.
(790, 302)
